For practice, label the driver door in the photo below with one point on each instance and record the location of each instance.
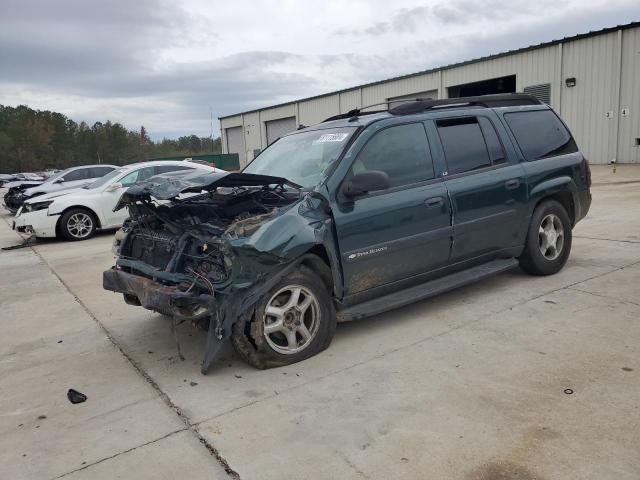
(390, 235)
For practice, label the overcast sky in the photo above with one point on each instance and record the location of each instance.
(165, 64)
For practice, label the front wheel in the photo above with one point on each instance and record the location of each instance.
(548, 241)
(77, 224)
(293, 321)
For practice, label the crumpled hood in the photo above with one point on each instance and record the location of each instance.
(22, 183)
(53, 195)
(169, 185)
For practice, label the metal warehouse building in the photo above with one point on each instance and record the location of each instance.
(592, 80)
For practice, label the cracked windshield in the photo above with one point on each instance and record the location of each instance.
(303, 158)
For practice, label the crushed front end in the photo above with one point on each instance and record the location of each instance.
(188, 257)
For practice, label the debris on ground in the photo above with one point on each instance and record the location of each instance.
(25, 244)
(568, 391)
(76, 397)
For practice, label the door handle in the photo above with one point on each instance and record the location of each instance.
(512, 184)
(433, 202)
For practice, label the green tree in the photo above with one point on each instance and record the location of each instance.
(33, 140)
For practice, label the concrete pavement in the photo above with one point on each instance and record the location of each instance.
(470, 384)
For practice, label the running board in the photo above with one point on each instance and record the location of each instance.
(425, 290)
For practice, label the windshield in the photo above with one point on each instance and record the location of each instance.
(302, 158)
(104, 180)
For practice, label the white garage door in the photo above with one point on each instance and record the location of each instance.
(235, 143)
(280, 127)
(431, 94)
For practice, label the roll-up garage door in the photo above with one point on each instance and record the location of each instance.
(280, 127)
(235, 143)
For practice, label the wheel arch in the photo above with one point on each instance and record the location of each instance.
(78, 207)
(561, 189)
(317, 260)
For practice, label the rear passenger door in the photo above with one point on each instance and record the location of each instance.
(486, 185)
(393, 234)
(98, 172)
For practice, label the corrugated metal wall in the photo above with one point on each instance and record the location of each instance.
(602, 109)
(592, 62)
(629, 126)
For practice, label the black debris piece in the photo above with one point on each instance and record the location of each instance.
(76, 397)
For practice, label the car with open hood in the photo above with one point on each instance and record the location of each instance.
(77, 213)
(362, 213)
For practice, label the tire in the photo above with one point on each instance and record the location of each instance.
(288, 342)
(549, 216)
(77, 224)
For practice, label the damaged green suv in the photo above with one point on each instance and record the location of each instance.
(360, 214)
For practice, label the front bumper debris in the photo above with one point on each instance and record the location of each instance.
(163, 298)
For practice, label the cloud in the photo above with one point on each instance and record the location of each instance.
(167, 64)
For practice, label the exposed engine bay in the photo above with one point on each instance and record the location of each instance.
(186, 236)
(207, 247)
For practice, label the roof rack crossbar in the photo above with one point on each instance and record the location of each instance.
(416, 105)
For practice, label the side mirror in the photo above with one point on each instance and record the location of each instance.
(113, 187)
(365, 182)
(59, 180)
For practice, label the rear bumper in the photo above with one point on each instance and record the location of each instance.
(583, 204)
(169, 300)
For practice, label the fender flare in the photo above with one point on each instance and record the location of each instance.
(554, 186)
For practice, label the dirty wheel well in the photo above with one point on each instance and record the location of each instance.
(566, 200)
(317, 260)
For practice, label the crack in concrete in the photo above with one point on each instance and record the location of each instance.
(606, 239)
(601, 295)
(166, 399)
(120, 453)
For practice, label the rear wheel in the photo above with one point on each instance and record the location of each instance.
(77, 224)
(293, 321)
(548, 241)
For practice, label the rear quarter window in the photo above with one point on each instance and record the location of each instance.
(540, 134)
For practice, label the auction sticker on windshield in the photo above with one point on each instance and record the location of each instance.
(331, 137)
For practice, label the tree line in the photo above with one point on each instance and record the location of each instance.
(35, 140)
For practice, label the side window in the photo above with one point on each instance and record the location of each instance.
(137, 176)
(97, 172)
(463, 143)
(540, 134)
(402, 152)
(170, 168)
(79, 174)
(494, 146)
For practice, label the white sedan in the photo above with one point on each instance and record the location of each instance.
(76, 214)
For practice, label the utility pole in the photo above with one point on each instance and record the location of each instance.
(211, 128)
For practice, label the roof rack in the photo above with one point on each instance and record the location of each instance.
(417, 105)
(487, 101)
(353, 113)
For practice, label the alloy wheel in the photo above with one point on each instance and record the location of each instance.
(551, 236)
(80, 225)
(291, 319)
